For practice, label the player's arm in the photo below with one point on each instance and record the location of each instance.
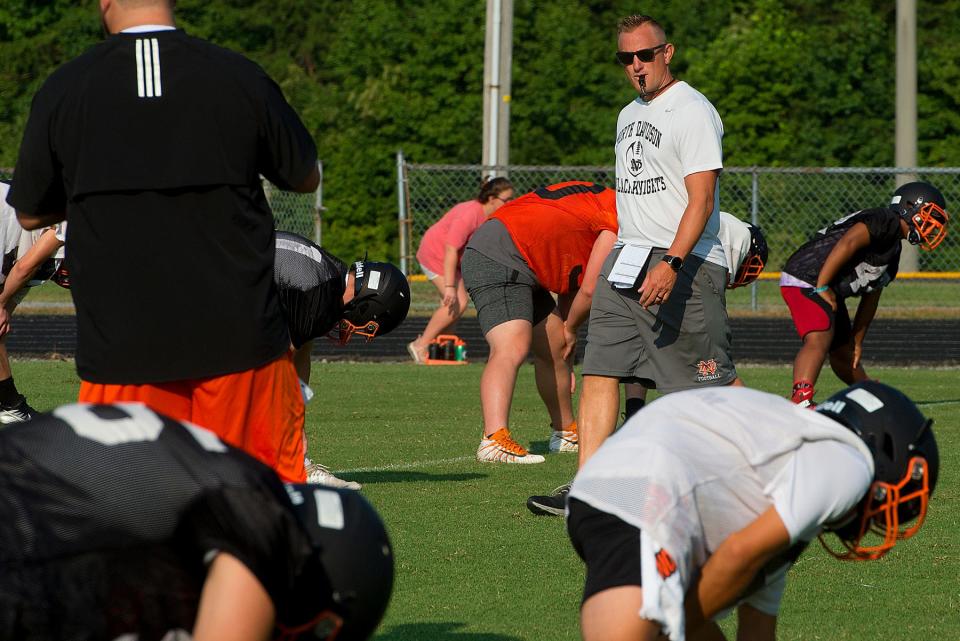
(24, 269)
(866, 310)
(36, 221)
(660, 278)
(234, 606)
(731, 569)
(309, 184)
(580, 307)
(855, 239)
(451, 259)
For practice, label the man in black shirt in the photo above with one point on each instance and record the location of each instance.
(157, 135)
(319, 296)
(122, 523)
(856, 256)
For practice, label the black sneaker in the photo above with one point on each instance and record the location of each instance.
(21, 412)
(553, 505)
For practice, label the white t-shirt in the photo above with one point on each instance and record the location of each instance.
(734, 237)
(15, 241)
(658, 144)
(696, 466)
(10, 231)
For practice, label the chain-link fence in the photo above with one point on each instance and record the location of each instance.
(789, 204)
(297, 213)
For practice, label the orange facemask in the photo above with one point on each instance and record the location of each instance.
(928, 226)
(344, 331)
(326, 623)
(880, 517)
(749, 271)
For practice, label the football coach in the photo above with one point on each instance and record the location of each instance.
(151, 144)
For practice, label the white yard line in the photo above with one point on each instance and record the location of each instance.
(410, 466)
(938, 402)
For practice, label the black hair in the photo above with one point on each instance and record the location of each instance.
(492, 188)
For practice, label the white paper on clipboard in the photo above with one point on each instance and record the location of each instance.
(627, 267)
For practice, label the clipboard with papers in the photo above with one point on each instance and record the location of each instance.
(628, 266)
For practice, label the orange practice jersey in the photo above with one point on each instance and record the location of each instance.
(555, 227)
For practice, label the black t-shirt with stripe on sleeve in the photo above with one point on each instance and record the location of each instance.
(113, 513)
(871, 268)
(154, 144)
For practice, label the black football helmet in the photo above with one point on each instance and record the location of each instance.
(923, 207)
(354, 551)
(380, 302)
(906, 462)
(755, 260)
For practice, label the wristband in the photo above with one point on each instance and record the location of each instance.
(821, 289)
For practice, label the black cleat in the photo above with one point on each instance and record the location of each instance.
(553, 505)
(21, 412)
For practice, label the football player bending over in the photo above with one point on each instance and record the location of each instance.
(319, 296)
(704, 500)
(123, 524)
(856, 256)
(30, 258)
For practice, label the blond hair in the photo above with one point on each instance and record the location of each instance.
(631, 23)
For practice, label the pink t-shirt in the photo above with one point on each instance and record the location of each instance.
(455, 228)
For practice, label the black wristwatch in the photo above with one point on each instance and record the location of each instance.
(675, 262)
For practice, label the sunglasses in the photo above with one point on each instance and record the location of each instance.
(646, 55)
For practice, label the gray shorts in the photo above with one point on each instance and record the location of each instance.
(501, 293)
(682, 344)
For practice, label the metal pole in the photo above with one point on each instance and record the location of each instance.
(402, 212)
(491, 87)
(754, 217)
(505, 79)
(318, 218)
(906, 107)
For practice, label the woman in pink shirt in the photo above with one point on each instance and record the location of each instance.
(439, 256)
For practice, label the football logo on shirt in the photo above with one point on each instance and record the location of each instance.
(633, 158)
(707, 371)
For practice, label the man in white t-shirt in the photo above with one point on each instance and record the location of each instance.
(705, 498)
(659, 315)
(29, 258)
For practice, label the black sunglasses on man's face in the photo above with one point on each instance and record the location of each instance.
(646, 55)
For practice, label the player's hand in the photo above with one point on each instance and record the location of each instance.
(569, 341)
(831, 299)
(450, 298)
(657, 285)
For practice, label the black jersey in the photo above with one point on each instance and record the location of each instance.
(112, 513)
(871, 268)
(154, 144)
(311, 282)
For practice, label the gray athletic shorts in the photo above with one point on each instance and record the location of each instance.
(502, 293)
(682, 344)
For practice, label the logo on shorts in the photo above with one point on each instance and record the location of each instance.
(707, 371)
(666, 566)
(634, 158)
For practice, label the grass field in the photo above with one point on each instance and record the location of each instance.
(902, 299)
(474, 565)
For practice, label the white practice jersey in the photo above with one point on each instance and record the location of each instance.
(658, 144)
(735, 239)
(16, 241)
(694, 467)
